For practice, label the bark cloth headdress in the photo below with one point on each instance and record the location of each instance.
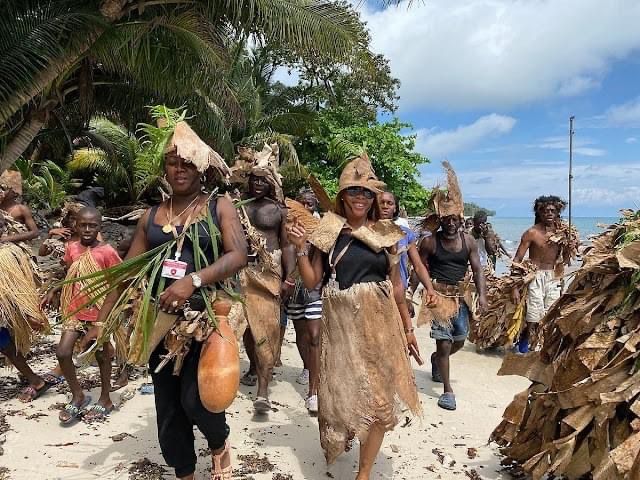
(444, 202)
(188, 145)
(357, 173)
(264, 163)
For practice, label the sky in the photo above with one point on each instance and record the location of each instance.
(490, 85)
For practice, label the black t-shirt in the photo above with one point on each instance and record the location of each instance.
(358, 265)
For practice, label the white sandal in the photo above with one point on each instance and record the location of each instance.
(217, 471)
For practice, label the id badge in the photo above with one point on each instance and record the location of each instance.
(174, 269)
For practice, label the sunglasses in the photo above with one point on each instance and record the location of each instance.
(355, 191)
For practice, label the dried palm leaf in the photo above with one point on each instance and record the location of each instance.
(19, 301)
(504, 320)
(581, 416)
(325, 202)
(298, 212)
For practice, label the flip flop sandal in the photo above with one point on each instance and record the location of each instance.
(30, 393)
(218, 472)
(97, 413)
(75, 411)
(435, 374)
(262, 405)
(249, 379)
(447, 401)
(53, 379)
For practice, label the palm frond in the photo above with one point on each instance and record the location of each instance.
(343, 151)
(305, 25)
(39, 41)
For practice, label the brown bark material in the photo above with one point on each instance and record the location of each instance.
(581, 415)
(365, 373)
(261, 291)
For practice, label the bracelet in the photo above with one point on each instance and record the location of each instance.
(408, 331)
(291, 283)
(305, 250)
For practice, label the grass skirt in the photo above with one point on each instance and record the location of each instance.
(19, 300)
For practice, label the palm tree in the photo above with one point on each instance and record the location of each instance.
(110, 56)
(265, 120)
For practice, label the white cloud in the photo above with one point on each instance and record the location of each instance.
(500, 53)
(625, 197)
(631, 140)
(624, 115)
(436, 144)
(590, 151)
(581, 146)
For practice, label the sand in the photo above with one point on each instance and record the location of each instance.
(282, 445)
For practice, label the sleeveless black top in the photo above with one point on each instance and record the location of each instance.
(156, 237)
(449, 267)
(359, 264)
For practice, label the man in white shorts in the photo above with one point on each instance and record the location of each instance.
(544, 290)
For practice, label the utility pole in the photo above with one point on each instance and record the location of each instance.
(571, 132)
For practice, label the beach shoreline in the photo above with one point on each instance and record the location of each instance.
(286, 442)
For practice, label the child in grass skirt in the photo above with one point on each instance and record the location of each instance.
(84, 257)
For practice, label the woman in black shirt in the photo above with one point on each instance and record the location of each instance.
(365, 374)
(177, 397)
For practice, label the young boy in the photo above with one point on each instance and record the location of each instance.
(82, 258)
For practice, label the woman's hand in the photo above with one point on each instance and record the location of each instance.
(62, 232)
(174, 297)
(412, 346)
(297, 235)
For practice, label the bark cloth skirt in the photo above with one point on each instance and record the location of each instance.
(365, 372)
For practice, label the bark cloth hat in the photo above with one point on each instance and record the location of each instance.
(11, 180)
(444, 202)
(188, 145)
(359, 173)
(264, 163)
(383, 234)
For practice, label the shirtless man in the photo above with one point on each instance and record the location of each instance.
(269, 218)
(448, 254)
(544, 290)
(10, 204)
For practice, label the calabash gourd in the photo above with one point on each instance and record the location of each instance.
(219, 365)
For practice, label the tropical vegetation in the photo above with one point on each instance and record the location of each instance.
(77, 77)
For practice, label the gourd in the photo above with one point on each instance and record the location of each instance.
(219, 365)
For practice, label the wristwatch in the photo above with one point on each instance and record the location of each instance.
(196, 281)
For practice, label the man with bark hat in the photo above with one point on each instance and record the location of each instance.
(271, 261)
(448, 254)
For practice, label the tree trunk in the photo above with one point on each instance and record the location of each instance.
(22, 139)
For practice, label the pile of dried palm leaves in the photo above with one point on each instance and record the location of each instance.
(581, 415)
(19, 301)
(504, 319)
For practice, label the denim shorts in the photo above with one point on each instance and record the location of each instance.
(457, 331)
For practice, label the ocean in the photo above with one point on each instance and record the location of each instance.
(511, 229)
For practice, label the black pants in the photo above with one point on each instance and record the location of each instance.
(178, 409)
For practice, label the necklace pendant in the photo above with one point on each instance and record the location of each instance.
(167, 228)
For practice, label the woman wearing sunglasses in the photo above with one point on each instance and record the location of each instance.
(365, 373)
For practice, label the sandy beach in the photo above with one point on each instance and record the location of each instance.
(284, 445)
